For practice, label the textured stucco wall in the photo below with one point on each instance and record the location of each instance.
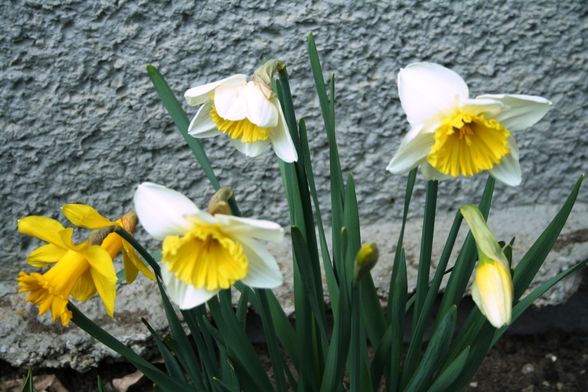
(81, 122)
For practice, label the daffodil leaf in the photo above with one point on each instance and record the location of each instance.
(436, 349)
(150, 371)
(99, 384)
(414, 348)
(332, 285)
(172, 366)
(527, 268)
(450, 373)
(28, 382)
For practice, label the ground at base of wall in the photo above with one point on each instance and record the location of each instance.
(537, 363)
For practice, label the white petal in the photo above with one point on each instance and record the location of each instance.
(489, 107)
(202, 125)
(430, 173)
(260, 110)
(413, 149)
(508, 171)
(251, 228)
(282, 141)
(427, 90)
(521, 111)
(181, 293)
(163, 211)
(263, 269)
(251, 149)
(200, 94)
(229, 102)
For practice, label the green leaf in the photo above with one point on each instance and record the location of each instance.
(400, 243)
(28, 382)
(422, 285)
(314, 295)
(338, 347)
(527, 268)
(150, 371)
(398, 314)
(436, 349)
(238, 345)
(172, 366)
(425, 314)
(448, 376)
(332, 285)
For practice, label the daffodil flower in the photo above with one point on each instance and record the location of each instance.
(492, 289)
(452, 134)
(79, 270)
(85, 216)
(246, 111)
(204, 253)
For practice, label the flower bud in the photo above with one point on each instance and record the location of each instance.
(365, 260)
(492, 289)
(219, 202)
(492, 292)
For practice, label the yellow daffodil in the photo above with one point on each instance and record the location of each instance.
(452, 134)
(79, 270)
(492, 289)
(85, 216)
(204, 253)
(246, 111)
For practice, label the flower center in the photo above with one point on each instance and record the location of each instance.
(467, 144)
(243, 130)
(51, 290)
(205, 257)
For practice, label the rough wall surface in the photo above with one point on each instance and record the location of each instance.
(81, 122)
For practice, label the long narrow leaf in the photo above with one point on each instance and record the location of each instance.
(436, 349)
(150, 371)
(527, 268)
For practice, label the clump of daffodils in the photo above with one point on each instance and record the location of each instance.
(205, 252)
(454, 135)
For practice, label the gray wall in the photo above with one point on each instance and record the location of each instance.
(81, 122)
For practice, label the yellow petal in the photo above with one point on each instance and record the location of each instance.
(84, 288)
(132, 262)
(83, 215)
(45, 255)
(103, 275)
(43, 228)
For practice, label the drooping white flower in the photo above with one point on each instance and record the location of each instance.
(205, 253)
(247, 111)
(452, 134)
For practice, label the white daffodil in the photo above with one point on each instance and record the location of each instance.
(492, 290)
(205, 253)
(454, 135)
(247, 111)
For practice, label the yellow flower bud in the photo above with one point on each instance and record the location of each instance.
(492, 292)
(365, 260)
(492, 289)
